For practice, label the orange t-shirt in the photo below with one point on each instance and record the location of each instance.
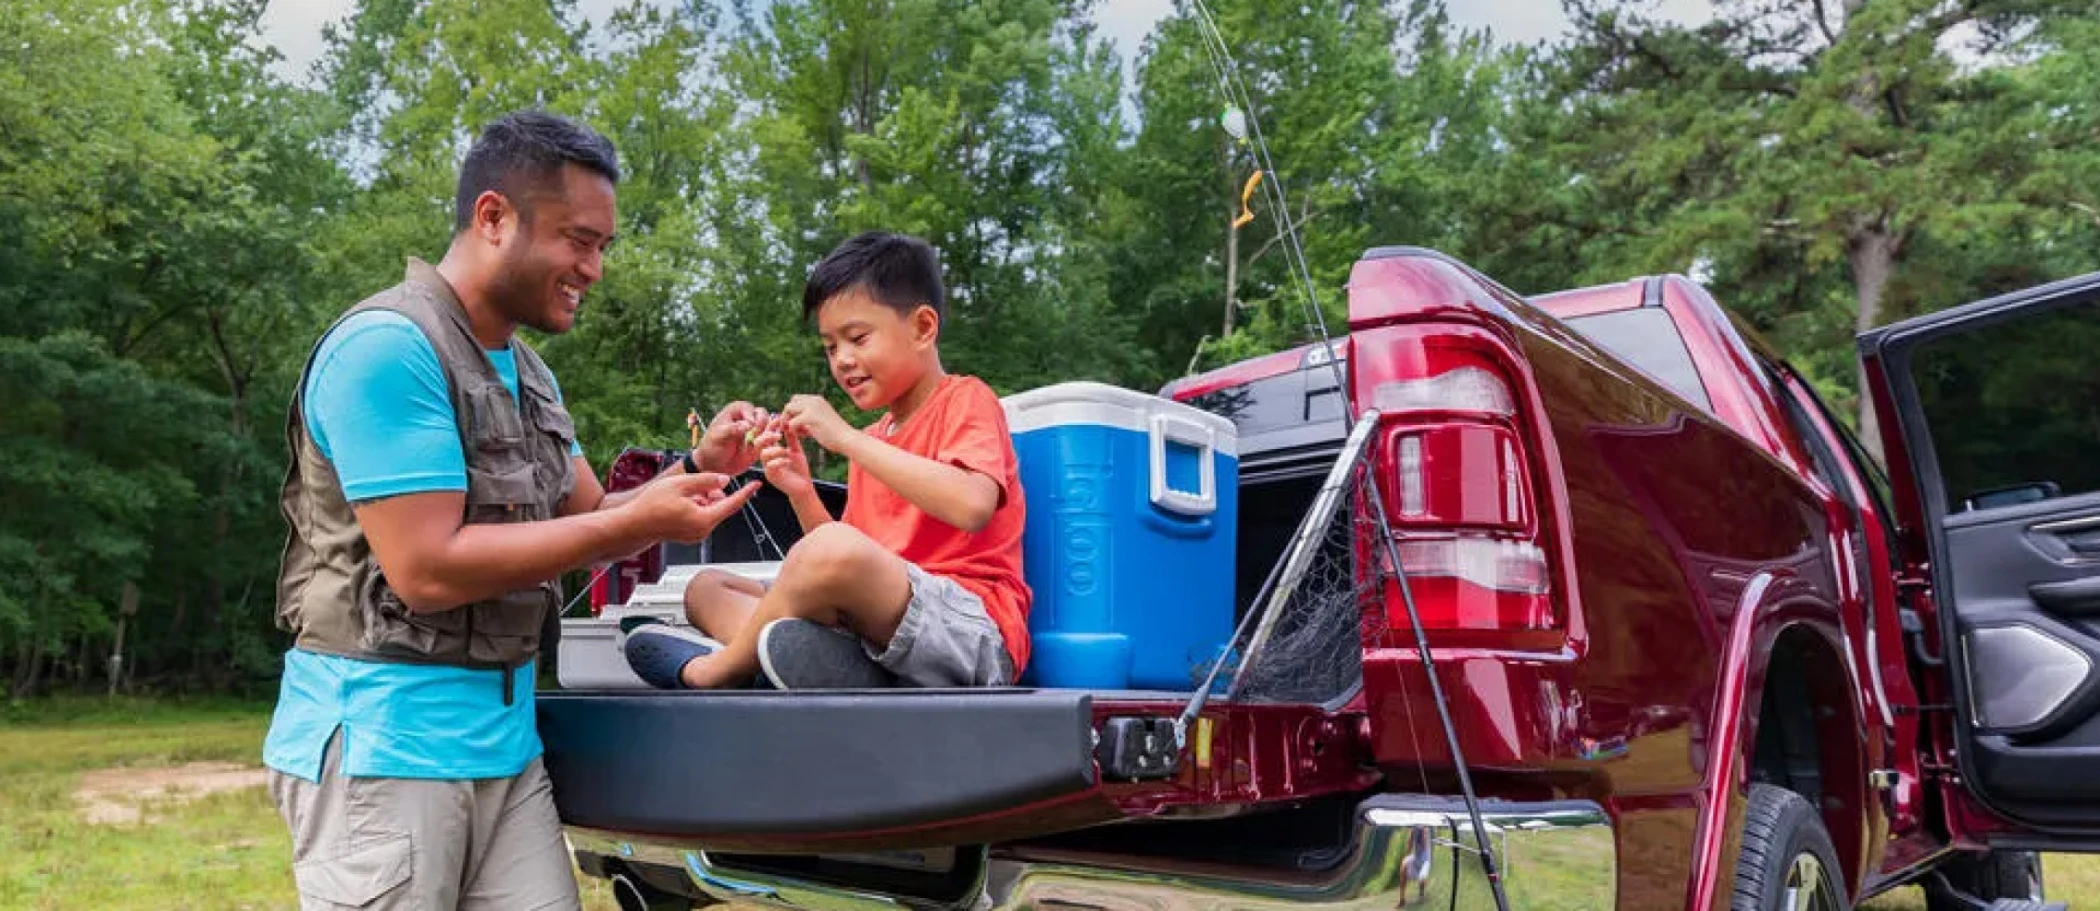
(962, 424)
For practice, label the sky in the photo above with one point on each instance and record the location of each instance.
(294, 26)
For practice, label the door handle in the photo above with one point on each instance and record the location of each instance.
(2073, 597)
(2079, 536)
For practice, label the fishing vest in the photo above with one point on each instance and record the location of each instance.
(331, 593)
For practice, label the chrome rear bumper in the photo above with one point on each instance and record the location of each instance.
(1408, 852)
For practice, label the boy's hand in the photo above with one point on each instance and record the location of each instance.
(787, 467)
(729, 445)
(812, 417)
(686, 508)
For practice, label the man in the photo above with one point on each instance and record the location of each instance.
(436, 491)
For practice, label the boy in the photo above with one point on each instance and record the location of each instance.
(920, 580)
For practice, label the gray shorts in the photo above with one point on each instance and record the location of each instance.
(946, 639)
(383, 844)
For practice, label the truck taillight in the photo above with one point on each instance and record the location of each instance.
(1456, 479)
(1464, 388)
(1475, 582)
(1493, 564)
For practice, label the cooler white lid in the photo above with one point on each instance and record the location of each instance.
(1100, 404)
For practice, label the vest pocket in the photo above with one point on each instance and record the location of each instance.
(552, 418)
(506, 630)
(504, 492)
(392, 628)
(494, 417)
(557, 429)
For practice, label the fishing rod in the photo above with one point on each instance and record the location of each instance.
(1249, 132)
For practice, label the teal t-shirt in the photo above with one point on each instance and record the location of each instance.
(377, 406)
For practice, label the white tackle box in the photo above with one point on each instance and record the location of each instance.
(589, 656)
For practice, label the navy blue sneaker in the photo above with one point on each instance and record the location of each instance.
(658, 651)
(799, 655)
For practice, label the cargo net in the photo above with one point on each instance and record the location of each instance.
(1309, 622)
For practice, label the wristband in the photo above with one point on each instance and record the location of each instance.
(688, 464)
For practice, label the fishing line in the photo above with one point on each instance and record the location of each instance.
(1220, 53)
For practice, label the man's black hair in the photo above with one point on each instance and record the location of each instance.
(522, 154)
(897, 270)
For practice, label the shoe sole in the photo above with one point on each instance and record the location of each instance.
(706, 645)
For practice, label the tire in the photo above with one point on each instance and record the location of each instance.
(1999, 874)
(1788, 862)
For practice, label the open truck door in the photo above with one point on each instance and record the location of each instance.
(1990, 414)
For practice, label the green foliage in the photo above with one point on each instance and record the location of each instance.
(178, 224)
(1832, 167)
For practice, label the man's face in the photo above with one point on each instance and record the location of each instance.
(553, 254)
(876, 354)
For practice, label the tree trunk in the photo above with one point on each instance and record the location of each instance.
(864, 120)
(1232, 249)
(116, 656)
(1873, 249)
(230, 480)
(26, 678)
(1232, 272)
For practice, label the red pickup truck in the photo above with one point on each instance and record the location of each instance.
(1694, 648)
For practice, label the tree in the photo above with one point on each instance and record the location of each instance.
(1373, 115)
(1786, 144)
(942, 119)
(108, 193)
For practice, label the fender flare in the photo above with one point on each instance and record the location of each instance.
(1772, 603)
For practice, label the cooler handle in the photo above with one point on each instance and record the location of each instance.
(1170, 428)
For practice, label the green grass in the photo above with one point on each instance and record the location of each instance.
(230, 851)
(219, 853)
(2071, 878)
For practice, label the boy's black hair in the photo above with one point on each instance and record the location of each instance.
(897, 270)
(522, 154)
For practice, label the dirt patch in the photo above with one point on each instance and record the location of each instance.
(125, 796)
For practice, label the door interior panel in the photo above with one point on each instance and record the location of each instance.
(2033, 665)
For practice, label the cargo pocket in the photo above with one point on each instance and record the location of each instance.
(506, 630)
(559, 429)
(392, 628)
(502, 493)
(359, 876)
(554, 420)
(494, 416)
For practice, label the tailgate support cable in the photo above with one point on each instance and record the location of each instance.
(1307, 537)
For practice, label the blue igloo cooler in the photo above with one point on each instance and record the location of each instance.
(1133, 505)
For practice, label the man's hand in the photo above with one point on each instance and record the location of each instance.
(812, 417)
(787, 466)
(686, 508)
(727, 447)
(434, 562)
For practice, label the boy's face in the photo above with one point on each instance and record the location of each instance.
(876, 354)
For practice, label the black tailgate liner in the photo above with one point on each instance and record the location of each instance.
(746, 766)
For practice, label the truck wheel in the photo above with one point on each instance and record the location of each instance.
(1999, 874)
(1788, 862)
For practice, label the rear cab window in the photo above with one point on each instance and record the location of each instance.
(1648, 339)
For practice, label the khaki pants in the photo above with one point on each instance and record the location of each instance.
(392, 844)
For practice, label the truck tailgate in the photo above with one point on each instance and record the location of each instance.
(753, 770)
